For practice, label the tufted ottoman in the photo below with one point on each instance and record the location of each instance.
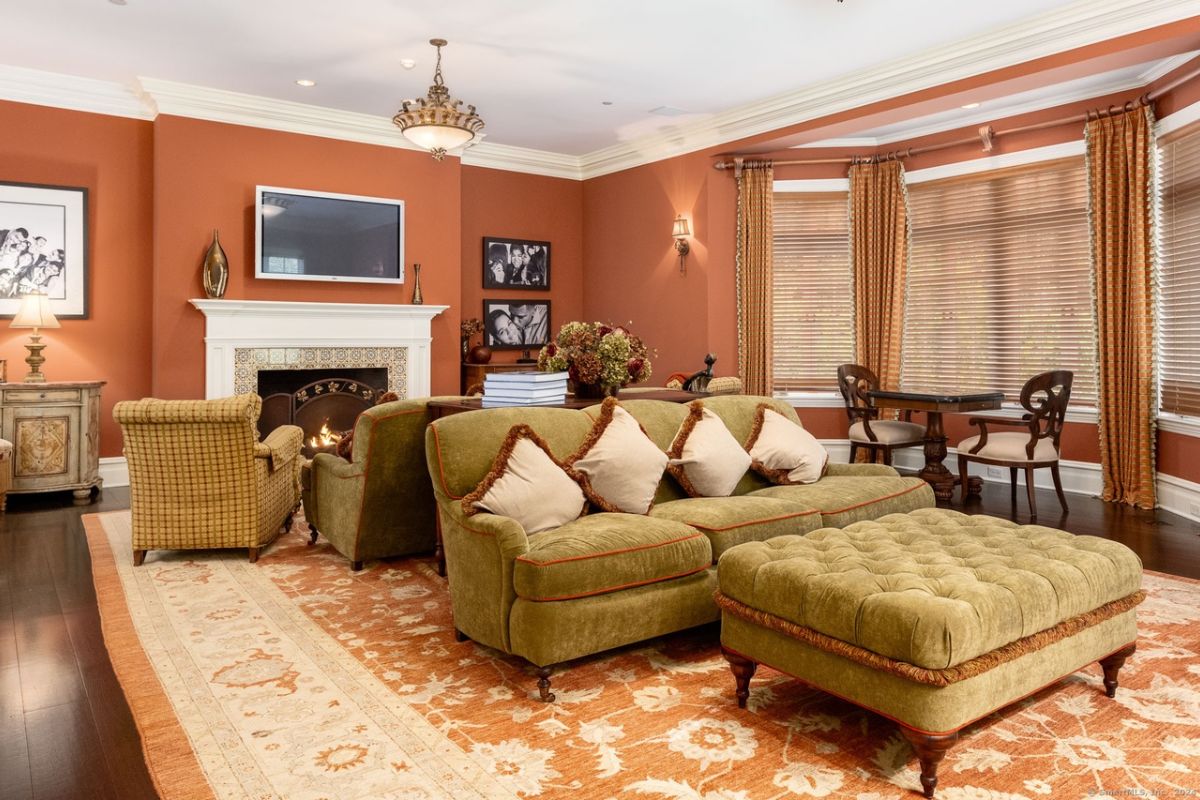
(933, 619)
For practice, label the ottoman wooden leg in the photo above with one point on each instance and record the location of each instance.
(1112, 665)
(743, 670)
(930, 747)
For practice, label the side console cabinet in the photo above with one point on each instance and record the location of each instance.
(55, 432)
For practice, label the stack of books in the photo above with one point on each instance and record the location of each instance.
(524, 389)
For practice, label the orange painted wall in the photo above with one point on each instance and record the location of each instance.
(204, 178)
(517, 206)
(631, 269)
(110, 156)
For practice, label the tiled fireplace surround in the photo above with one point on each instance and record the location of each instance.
(243, 337)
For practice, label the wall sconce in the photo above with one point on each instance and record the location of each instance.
(681, 232)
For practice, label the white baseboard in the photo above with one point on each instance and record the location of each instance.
(1177, 495)
(114, 471)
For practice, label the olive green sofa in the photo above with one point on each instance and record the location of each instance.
(607, 580)
(379, 504)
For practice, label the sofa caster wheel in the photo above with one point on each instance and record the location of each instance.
(544, 693)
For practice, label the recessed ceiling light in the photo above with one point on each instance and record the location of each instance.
(606, 102)
(408, 63)
(306, 83)
(117, 2)
(971, 105)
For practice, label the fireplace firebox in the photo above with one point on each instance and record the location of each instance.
(329, 398)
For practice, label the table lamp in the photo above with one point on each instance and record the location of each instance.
(35, 313)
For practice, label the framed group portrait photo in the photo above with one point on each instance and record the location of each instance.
(43, 247)
(515, 263)
(516, 324)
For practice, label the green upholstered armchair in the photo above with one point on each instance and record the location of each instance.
(379, 504)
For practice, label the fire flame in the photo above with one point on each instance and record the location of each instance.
(324, 437)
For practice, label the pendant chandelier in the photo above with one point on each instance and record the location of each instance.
(434, 122)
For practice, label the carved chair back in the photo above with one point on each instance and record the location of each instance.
(854, 381)
(1045, 397)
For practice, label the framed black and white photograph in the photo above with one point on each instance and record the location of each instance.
(515, 264)
(516, 324)
(43, 247)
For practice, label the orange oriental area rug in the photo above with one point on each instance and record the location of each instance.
(293, 678)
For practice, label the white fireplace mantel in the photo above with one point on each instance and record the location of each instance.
(234, 324)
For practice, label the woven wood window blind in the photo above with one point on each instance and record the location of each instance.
(999, 281)
(814, 306)
(1179, 273)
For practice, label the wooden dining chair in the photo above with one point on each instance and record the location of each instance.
(1044, 397)
(866, 429)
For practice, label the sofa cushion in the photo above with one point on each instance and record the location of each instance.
(528, 484)
(606, 552)
(782, 451)
(622, 465)
(705, 458)
(1009, 447)
(934, 587)
(729, 521)
(846, 499)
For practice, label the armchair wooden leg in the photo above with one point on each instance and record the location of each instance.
(1029, 490)
(356, 566)
(1012, 478)
(930, 749)
(1062, 498)
(254, 555)
(853, 453)
(743, 670)
(964, 478)
(139, 556)
(887, 456)
(312, 534)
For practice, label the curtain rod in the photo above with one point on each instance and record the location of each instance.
(985, 136)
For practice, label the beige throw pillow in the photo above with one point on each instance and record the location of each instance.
(623, 467)
(782, 451)
(528, 484)
(705, 458)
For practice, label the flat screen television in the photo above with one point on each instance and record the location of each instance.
(318, 236)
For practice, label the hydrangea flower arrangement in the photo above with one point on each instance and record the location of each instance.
(594, 354)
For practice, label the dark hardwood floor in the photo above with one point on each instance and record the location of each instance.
(66, 731)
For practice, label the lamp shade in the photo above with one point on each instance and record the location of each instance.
(34, 313)
(431, 137)
(681, 228)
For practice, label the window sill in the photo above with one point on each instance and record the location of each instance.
(1177, 423)
(1084, 414)
(811, 399)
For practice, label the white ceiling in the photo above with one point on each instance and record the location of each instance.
(537, 70)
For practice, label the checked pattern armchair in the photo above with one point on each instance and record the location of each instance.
(199, 478)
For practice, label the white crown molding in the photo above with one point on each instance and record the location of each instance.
(985, 116)
(235, 108)
(21, 85)
(523, 159)
(1166, 66)
(1077, 25)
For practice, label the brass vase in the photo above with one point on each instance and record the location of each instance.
(216, 269)
(418, 298)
